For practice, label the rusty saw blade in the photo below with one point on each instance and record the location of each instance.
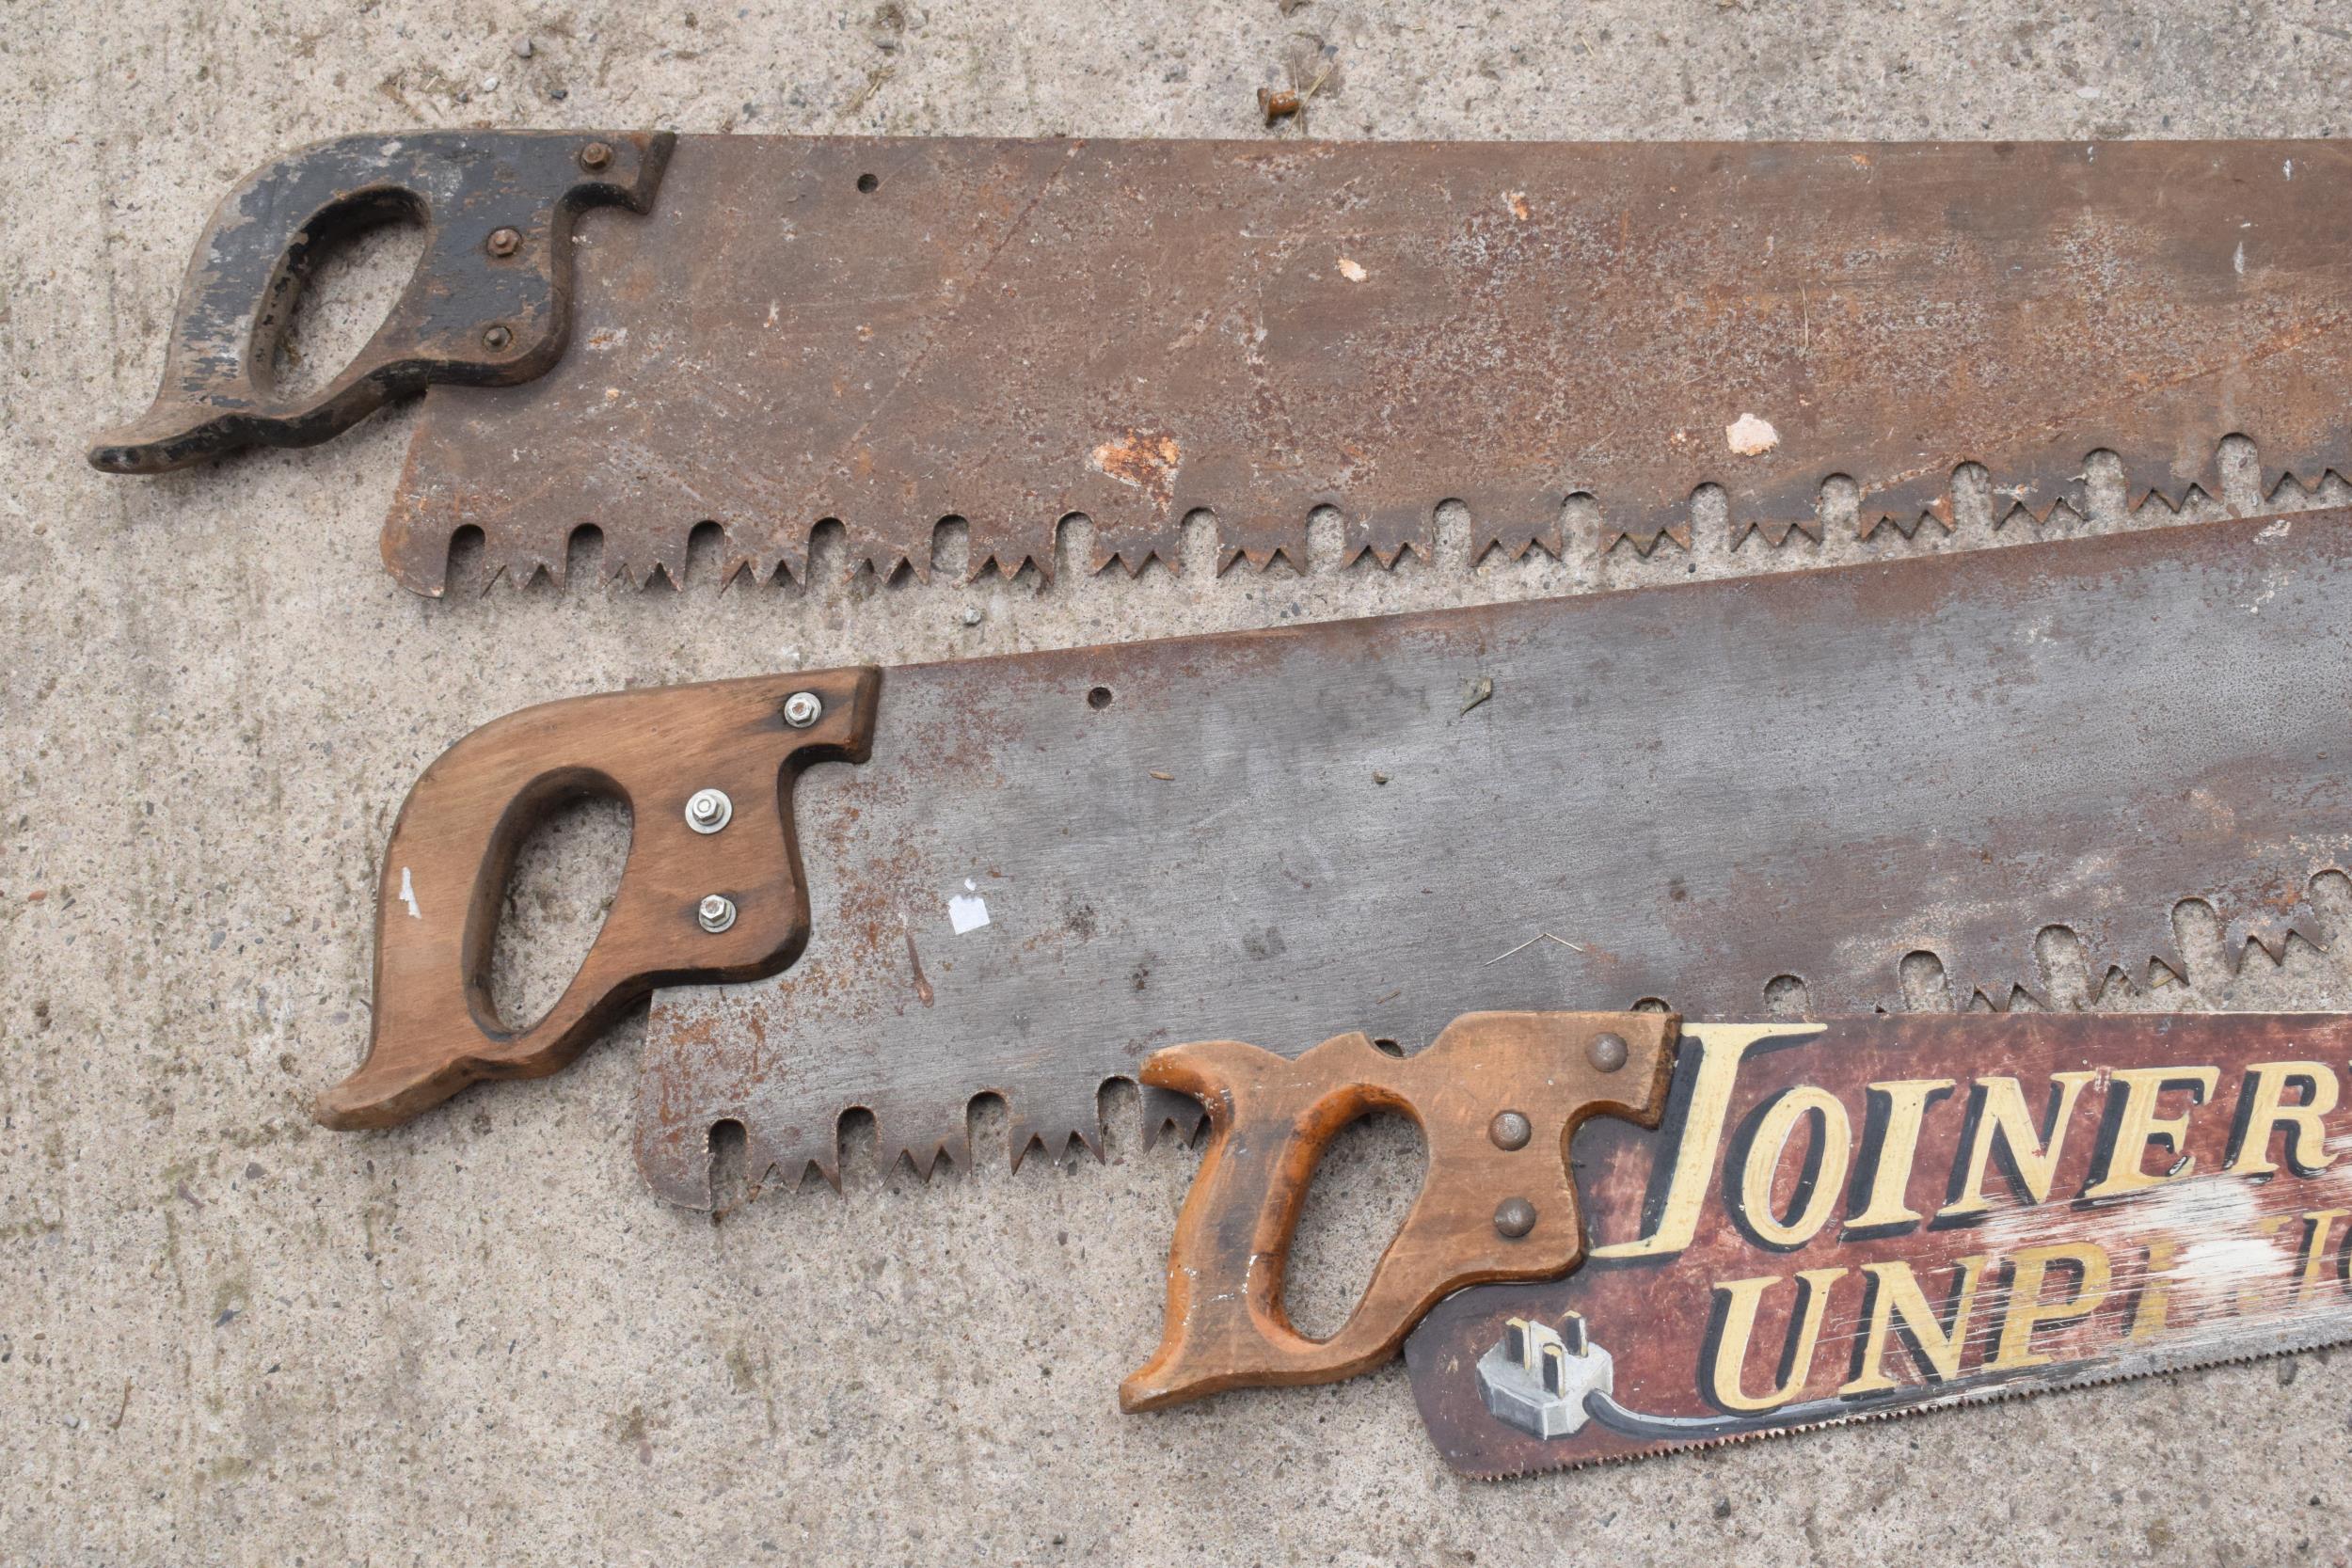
(1052, 864)
(1876, 1216)
(887, 334)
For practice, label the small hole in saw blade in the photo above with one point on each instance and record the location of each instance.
(868, 183)
(1099, 699)
(1358, 1196)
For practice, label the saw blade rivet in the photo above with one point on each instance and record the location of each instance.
(716, 913)
(595, 155)
(803, 708)
(1514, 1217)
(505, 242)
(496, 338)
(708, 810)
(1510, 1130)
(1606, 1053)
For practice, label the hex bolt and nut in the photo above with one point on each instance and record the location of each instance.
(594, 156)
(708, 811)
(1606, 1053)
(505, 242)
(1514, 1218)
(803, 708)
(715, 913)
(1510, 1130)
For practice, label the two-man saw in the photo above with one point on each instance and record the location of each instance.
(1026, 876)
(643, 334)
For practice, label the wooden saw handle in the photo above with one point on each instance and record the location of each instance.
(1270, 1119)
(445, 871)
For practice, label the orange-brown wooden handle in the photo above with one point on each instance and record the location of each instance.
(434, 1030)
(1270, 1119)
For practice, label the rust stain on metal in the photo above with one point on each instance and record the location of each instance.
(1555, 322)
(923, 991)
(1146, 459)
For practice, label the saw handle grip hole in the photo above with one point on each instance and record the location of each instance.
(565, 873)
(1098, 698)
(1363, 1188)
(346, 275)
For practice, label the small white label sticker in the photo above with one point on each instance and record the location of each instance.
(967, 910)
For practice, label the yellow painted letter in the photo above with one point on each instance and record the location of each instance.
(1721, 1047)
(2027, 1312)
(1824, 1178)
(2123, 1143)
(1735, 1325)
(1998, 1111)
(1906, 1100)
(1894, 1291)
(2260, 1113)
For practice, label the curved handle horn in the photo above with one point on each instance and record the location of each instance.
(445, 871)
(1270, 1120)
(490, 303)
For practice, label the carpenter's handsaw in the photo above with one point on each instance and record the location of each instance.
(1025, 876)
(891, 333)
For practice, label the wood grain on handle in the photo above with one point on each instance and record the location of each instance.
(435, 1029)
(1270, 1119)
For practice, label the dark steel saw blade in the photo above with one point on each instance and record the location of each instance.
(1055, 863)
(890, 333)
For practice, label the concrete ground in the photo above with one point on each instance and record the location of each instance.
(228, 1337)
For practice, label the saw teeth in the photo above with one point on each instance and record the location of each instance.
(1167, 1113)
(520, 550)
(2319, 1340)
(1905, 504)
(1774, 533)
(2269, 929)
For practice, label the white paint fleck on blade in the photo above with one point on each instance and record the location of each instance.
(967, 910)
(1750, 436)
(408, 895)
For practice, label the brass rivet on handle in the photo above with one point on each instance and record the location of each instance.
(1606, 1053)
(505, 242)
(1510, 1130)
(595, 155)
(496, 338)
(1514, 1217)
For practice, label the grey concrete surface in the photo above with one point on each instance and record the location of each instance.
(228, 1337)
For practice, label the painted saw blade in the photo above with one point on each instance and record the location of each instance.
(1055, 863)
(1874, 1217)
(886, 334)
